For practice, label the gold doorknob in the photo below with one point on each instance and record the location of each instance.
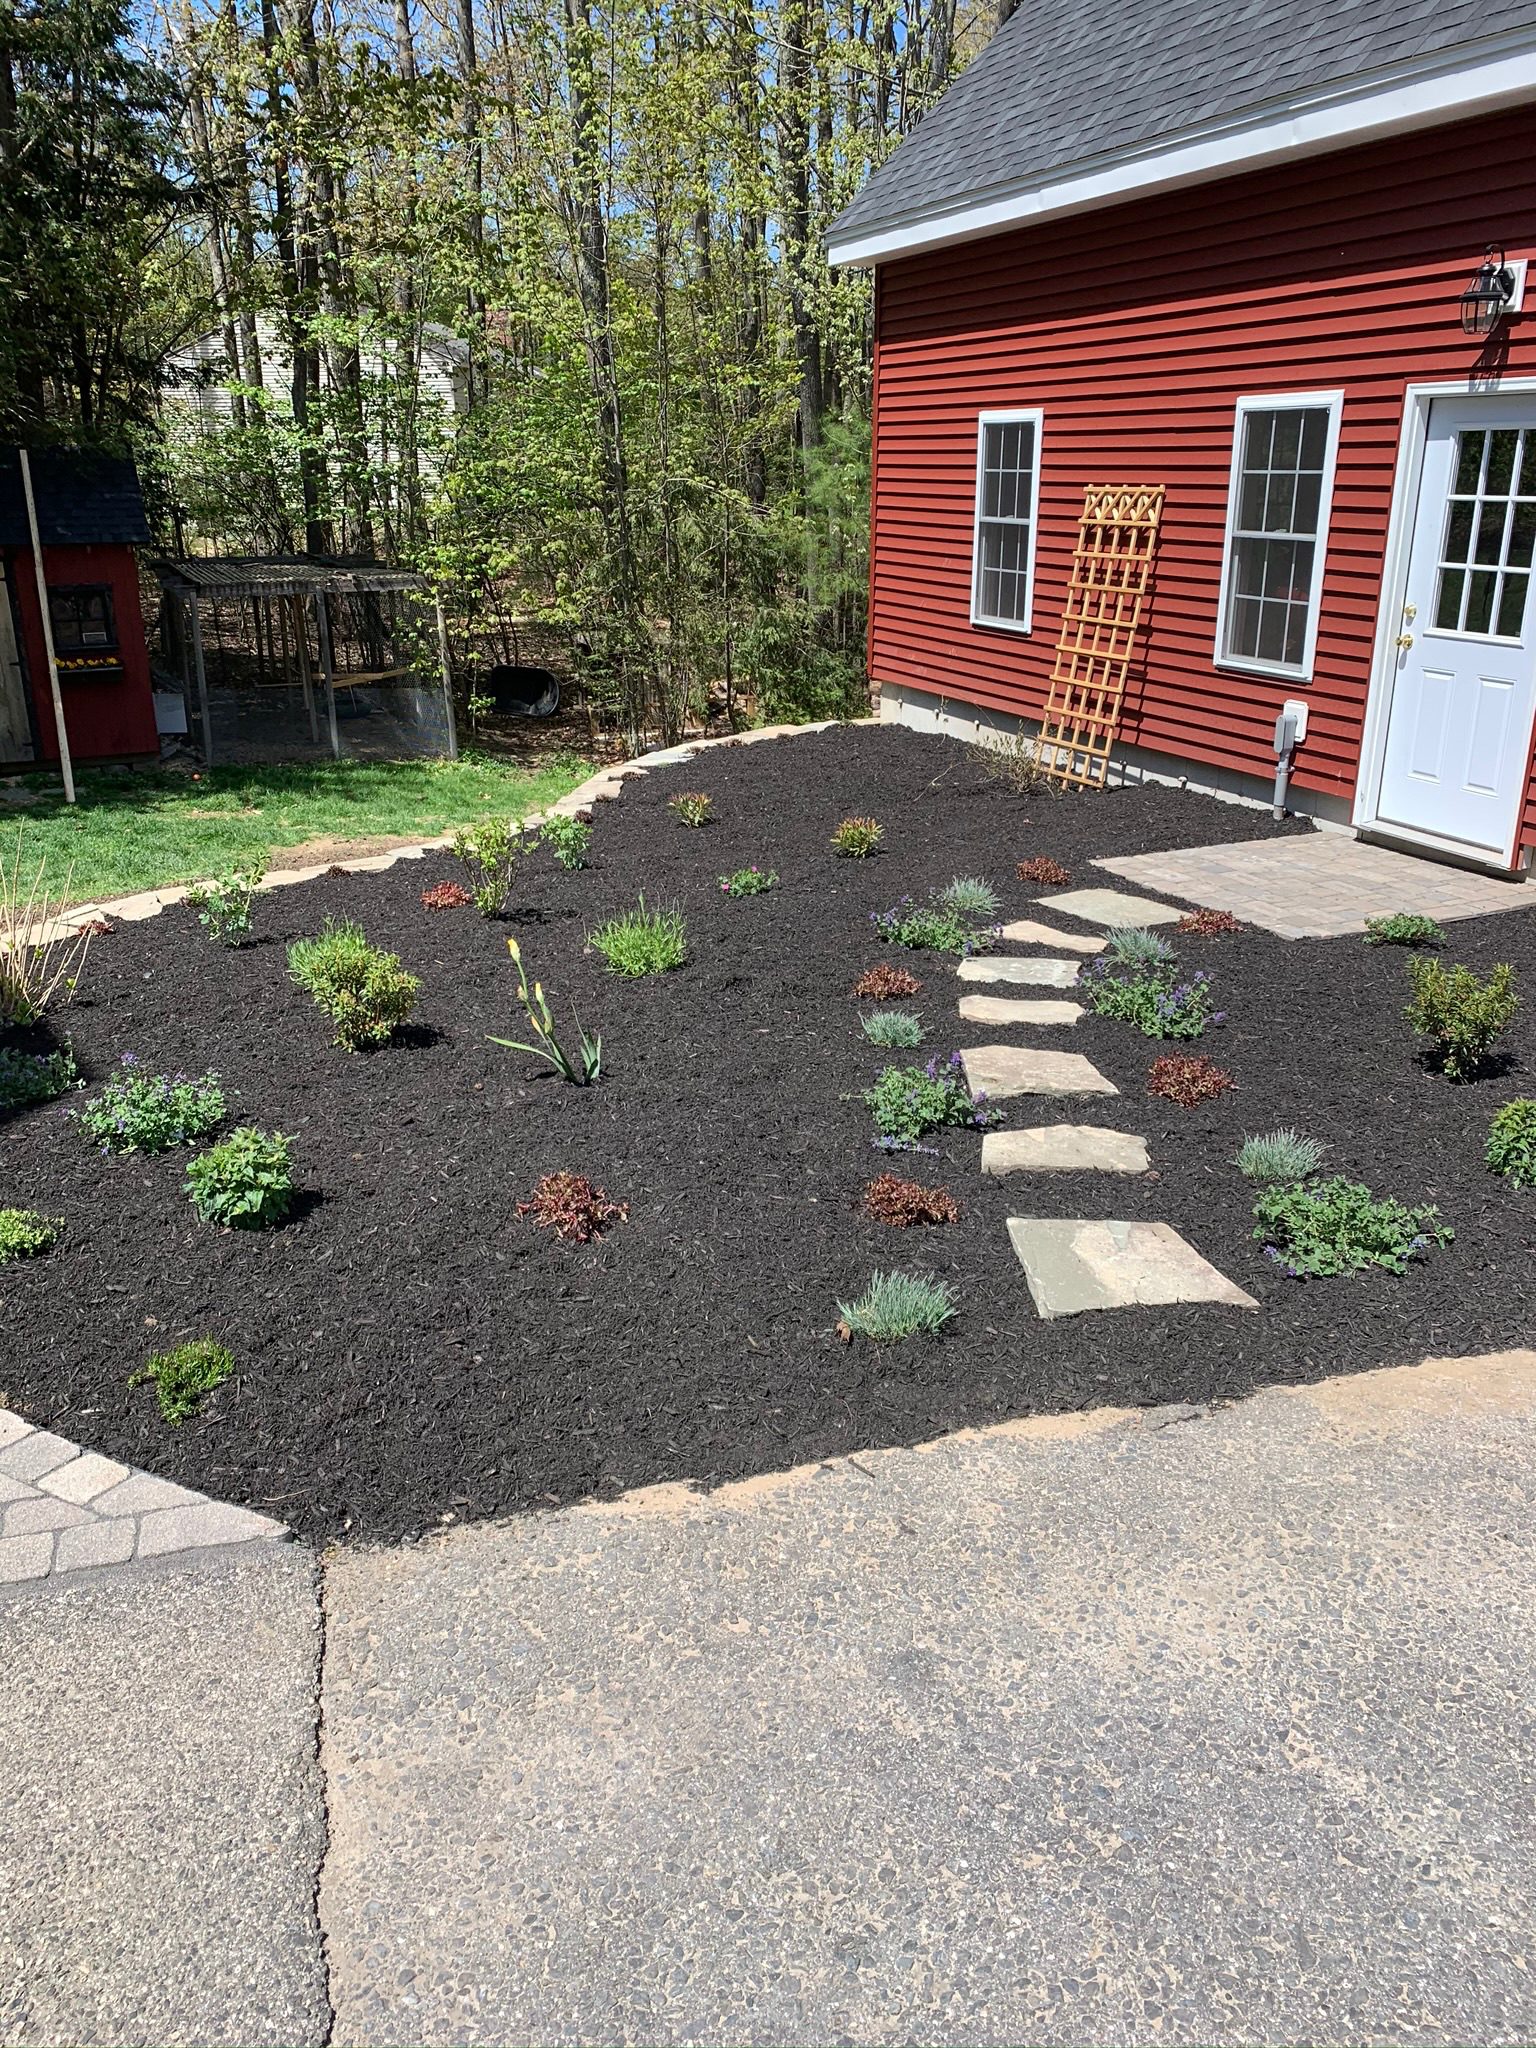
(1405, 639)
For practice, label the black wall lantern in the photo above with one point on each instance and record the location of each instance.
(1484, 301)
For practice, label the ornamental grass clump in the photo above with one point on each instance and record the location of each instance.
(1327, 1227)
(1280, 1156)
(971, 898)
(26, 1235)
(885, 984)
(753, 881)
(1042, 869)
(41, 960)
(27, 1077)
(691, 807)
(1154, 999)
(1132, 945)
(932, 927)
(245, 1182)
(908, 1102)
(364, 991)
(184, 1378)
(857, 838)
(573, 1207)
(1460, 1014)
(223, 905)
(898, 1029)
(582, 1068)
(1511, 1148)
(642, 941)
(896, 1306)
(142, 1112)
(1186, 1079)
(1403, 928)
(901, 1203)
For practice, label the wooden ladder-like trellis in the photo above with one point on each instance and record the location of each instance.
(1110, 574)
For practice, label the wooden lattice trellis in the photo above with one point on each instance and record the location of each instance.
(1110, 574)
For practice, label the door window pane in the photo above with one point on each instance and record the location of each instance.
(1004, 524)
(1490, 520)
(1277, 517)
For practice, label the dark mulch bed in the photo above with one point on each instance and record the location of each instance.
(412, 1352)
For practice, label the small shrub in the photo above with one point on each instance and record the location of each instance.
(1459, 1014)
(691, 807)
(972, 898)
(1151, 998)
(223, 905)
(184, 1378)
(1042, 869)
(1278, 1156)
(1403, 928)
(573, 1207)
(581, 1071)
(568, 839)
(1186, 1079)
(1511, 1146)
(1210, 924)
(446, 896)
(1337, 1226)
(141, 1112)
(364, 991)
(857, 838)
(491, 851)
(642, 941)
(896, 1306)
(35, 1076)
(1131, 945)
(901, 1203)
(752, 881)
(26, 1235)
(931, 927)
(894, 1028)
(883, 984)
(908, 1102)
(245, 1182)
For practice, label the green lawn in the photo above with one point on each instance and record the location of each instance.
(144, 831)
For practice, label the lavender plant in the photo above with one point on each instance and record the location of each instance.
(908, 1102)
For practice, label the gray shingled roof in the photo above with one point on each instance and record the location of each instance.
(1070, 82)
(81, 498)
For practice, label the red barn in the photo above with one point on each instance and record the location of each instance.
(1228, 250)
(90, 516)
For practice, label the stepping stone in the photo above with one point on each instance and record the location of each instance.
(1026, 932)
(1010, 1010)
(998, 1071)
(1072, 1266)
(1111, 907)
(1063, 1148)
(1024, 973)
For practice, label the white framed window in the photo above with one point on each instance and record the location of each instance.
(1007, 500)
(1283, 453)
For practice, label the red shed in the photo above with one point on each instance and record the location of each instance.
(1226, 250)
(90, 516)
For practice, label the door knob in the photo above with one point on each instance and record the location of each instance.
(1405, 639)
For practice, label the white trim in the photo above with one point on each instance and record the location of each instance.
(1013, 417)
(1414, 437)
(1446, 86)
(1331, 402)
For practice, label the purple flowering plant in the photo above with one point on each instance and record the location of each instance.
(137, 1111)
(934, 926)
(1155, 998)
(908, 1102)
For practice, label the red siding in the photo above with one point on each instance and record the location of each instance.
(109, 720)
(1136, 329)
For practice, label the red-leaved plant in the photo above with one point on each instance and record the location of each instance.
(573, 1207)
(880, 984)
(445, 896)
(1187, 1079)
(1210, 924)
(898, 1202)
(1041, 868)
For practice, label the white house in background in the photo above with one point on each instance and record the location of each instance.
(199, 374)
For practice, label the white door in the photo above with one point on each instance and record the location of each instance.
(1459, 727)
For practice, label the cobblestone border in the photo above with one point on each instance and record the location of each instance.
(64, 1510)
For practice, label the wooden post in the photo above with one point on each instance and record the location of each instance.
(306, 674)
(200, 670)
(327, 667)
(65, 762)
(442, 652)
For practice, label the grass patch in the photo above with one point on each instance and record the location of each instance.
(185, 1377)
(147, 831)
(642, 941)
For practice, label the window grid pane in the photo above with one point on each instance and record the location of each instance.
(1277, 513)
(1490, 525)
(1003, 530)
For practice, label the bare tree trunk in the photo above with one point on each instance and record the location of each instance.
(794, 139)
(304, 360)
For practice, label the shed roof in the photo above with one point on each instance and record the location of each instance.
(1066, 86)
(82, 498)
(283, 575)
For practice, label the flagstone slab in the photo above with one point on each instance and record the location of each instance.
(1064, 1148)
(1073, 1266)
(1111, 907)
(1018, 1010)
(998, 1071)
(1023, 973)
(1026, 931)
